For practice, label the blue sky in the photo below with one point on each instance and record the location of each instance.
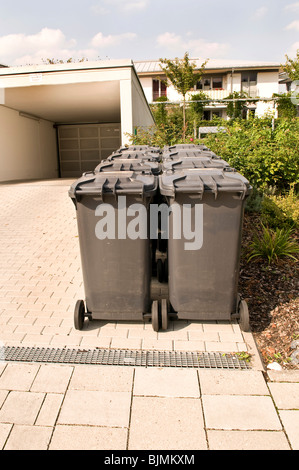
(34, 30)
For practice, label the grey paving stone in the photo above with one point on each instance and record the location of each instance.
(240, 412)
(96, 408)
(232, 382)
(21, 407)
(88, 438)
(247, 440)
(29, 438)
(290, 421)
(285, 395)
(167, 382)
(166, 423)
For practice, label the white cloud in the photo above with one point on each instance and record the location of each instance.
(99, 40)
(20, 49)
(260, 13)
(99, 10)
(135, 5)
(292, 52)
(292, 7)
(169, 40)
(294, 25)
(108, 6)
(196, 47)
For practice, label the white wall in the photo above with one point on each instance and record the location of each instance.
(134, 110)
(28, 147)
(142, 115)
(147, 85)
(267, 84)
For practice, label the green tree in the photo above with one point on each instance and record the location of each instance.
(291, 67)
(183, 75)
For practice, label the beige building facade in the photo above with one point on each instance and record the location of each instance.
(221, 78)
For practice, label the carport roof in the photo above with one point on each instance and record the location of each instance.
(67, 93)
(71, 66)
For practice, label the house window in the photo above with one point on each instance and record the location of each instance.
(159, 89)
(217, 83)
(209, 114)
(209, 83)
(249, 81)
(206, 84)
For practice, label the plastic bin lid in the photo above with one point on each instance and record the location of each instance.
(201, 180)
(137, 154)
(124, 164)
(186, 146)
(114, 183)
(189, 153)
(138, 148)
(185, 163)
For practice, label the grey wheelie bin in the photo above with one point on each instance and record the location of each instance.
(188, 153)
(168, 148)
(138, 148)
(138, 166)
(176, 165)
(205, 225)
(188, 163)
(115, 255)
(123, 164)
(135, 154)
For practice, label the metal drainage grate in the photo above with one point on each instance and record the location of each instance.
(124, 357)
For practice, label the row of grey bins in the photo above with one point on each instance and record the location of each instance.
(194, 247)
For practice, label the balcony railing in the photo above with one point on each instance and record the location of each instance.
(220, 93)
(216, 94)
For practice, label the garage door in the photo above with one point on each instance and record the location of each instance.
(82, 147)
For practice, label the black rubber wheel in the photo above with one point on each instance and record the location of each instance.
(244, 316)
(164, 314)
(155, 315)
(79, 314)
(166, 270)
(160, 270)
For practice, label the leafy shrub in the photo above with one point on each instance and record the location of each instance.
(255, 201)
(289, 205)
(265, 157)
(273, 245)
(281, 210)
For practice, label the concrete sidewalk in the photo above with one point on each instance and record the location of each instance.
(54, 406)
(106, 407)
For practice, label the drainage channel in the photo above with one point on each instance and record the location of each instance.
(124, 357)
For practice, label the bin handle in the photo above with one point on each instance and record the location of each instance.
(99, 191)
(187, 189)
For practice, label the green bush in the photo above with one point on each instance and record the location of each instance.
(281, 210)
(254, 202)
(273, 245)
(266, 157)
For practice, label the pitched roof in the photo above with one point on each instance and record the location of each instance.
(153, 66)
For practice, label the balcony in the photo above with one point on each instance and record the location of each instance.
(220, 93)
(215, 94)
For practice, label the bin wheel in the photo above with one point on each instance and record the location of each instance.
(160, 270)
(79, 314)
(155, 315)
(244, 316)
(164, 314)
(166, 270)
